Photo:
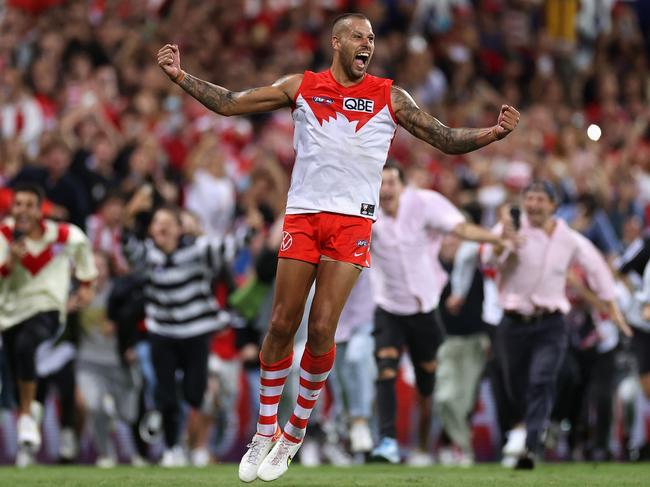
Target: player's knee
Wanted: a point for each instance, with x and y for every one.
(387, 352)
(320, 335)
(429, 366)
(387, 367)
(387, 373)
(281, 330)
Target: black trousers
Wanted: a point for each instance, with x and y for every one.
(585, 396)
(494, 372)
(189, 355)
(421, 335)
(533, 352)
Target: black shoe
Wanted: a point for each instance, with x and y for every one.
(525, 462)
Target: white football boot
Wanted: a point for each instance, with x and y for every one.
(278, 460)
(258, 449)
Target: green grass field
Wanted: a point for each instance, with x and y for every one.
(565, 475)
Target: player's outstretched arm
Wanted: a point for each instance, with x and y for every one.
(223, 101)
(449, 140)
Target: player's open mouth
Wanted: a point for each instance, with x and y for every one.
(361, 59)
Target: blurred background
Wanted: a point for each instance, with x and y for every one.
(86, 112)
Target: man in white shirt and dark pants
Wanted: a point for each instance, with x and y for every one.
(533, 335)
(36, 261)
(407, 282)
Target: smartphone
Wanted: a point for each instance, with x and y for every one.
(17, 235)
(515, 214)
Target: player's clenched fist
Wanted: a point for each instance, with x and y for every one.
(508, 120)
(169, 60)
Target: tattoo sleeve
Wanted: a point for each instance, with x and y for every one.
(216, 98)
(429, 129)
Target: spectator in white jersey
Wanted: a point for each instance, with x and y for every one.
(407, 282)
(181, 311)
(36, 261)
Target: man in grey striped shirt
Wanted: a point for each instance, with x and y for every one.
(181, 311)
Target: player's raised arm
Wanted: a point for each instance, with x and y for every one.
(223, 101)
(449, 140)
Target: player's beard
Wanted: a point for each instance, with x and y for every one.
(354, 74)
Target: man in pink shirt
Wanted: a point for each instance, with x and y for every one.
(407, 282)
(532, 281)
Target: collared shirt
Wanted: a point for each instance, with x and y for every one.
(533, 278)
(40, 281)
(407, 277)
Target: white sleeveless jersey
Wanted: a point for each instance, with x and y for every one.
(342, 136)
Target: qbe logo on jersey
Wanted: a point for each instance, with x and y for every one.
(359, 105)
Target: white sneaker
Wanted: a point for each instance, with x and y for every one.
(360, 437)
(24, 457)
(310, 454)
(258, 449)
(105, 462)
(419, 458)
(465, 460)
(516, 444)
(68, 449)
(277, 461)
(173, 458)
(447, 456)
(200, 457)
(138, 462)
(508, 461)
(28, 433)
(335, 455)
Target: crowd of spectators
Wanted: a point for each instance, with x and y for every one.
(86, 112)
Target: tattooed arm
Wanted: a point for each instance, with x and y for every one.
(223, 101)
(448, 140)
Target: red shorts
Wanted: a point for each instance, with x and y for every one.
(311, 236)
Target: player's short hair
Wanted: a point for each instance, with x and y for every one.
(346, 16)
(392, 165)
(32, 188)
(542, 186)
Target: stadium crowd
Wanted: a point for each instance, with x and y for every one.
(86, 114)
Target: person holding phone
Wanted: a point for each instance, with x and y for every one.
(533, 334)
(37, 257)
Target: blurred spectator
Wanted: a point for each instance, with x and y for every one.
(61, 187)
(108, 383)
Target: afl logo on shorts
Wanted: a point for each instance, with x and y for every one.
(287, 240)
(359, 105)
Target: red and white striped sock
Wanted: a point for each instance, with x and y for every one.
(313, 375)
(272, 379)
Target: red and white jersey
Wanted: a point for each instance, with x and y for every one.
(342, 136)
(40, 280)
